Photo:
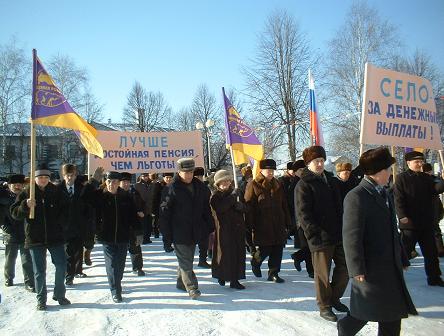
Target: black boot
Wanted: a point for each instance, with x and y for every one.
(327, 314)
(236, 285)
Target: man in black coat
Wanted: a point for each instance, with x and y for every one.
(319, 212)
(134, 249)
(14, 234)
(185, 219)
(414, 191)
(116, 220)
(76, 223)
(44, 232)
(375, 258)
(303, 254)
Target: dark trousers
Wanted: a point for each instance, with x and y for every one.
(426, 241)
(203, 249)
(304, 253)
(136, 254)
(58, 257)
(74, 257)
(185, 274)
(11, 253)
(349, 326)
(155, 225)
(115, 256)
(327, 293)
(274, 254)
(147, 227)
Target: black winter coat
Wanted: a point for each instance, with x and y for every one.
(77, 223)
(13, 230)
(373, 248)
(228, 262)
(414, 193)
(46, 229)
(185, 216)
(116, 216)
(319, 209)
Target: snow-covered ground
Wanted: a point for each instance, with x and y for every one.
(153, 306)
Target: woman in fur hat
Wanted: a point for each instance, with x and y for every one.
(228, 262)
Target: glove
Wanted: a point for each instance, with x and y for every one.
(139, 240)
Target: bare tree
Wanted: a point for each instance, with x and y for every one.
(145, 110)
(15, 87)
(70, 78)
(89, 107)
(184, 120)
(277, 80)
(364, 37)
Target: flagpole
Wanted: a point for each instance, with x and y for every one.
(364, 102)
(33, 138)
(234, 168)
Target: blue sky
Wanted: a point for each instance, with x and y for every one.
(174, 46)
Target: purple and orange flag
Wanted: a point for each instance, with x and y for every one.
(50, 108)
(240, 136)
(315, 126)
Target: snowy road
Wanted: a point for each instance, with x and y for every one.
(153, 306)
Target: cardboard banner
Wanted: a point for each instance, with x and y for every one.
(398, 110)
(139, 152)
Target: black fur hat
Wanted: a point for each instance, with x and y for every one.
(313, 152)
(375, 160)
(125, 176)
(298, 164)
(413, 155)
(112, 175)
(16, 178)
(267, 164)
(199, 171)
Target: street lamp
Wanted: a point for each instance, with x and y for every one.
(206, 128)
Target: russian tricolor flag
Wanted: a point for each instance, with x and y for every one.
(315, 127)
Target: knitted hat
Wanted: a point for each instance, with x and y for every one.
(413, 155)
(16, 178)
(313, 152)
(222, 175)
(199, 171)
(42, 170)
(168, 174)
(298, 164)
(185, 165)
(112, 175)
(267, 164)
(343, 166)
(375, 160)
(125, 176)
(290, 165)
(68, 168)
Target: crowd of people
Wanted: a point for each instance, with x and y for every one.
(358, 220)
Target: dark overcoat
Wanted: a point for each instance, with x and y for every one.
(13, 230)
(414, 193)
(228, 262)
(185, 214)
(45, 229)
(319, 209)
(373, 248)
(76, 222)
(267, 215)
(116, 216)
